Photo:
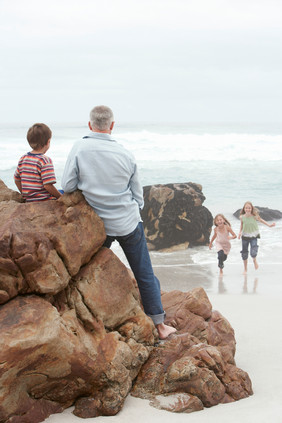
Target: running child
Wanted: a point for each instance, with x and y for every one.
(35, 176)
(222, 235)
(249, 232)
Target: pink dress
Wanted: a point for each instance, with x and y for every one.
(222, 242)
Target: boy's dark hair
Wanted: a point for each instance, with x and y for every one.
(38, 135)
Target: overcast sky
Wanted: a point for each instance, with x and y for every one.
(150, 60)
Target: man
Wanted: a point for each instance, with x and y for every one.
(106, 173)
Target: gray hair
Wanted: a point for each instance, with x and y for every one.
(101, 117)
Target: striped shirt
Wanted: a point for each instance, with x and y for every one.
(34, 171)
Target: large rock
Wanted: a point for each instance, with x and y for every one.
(174, 217)
(73, 331)
(195, 369)
(7, 194)
(49, 359)
(71, 322)
(44, 244)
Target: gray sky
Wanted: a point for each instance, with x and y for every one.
(150, 60)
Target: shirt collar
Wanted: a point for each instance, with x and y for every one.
(100, 135)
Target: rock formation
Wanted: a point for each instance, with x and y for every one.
(7, 194)
(73, 332)
(195, 369)
(174, 217)
(44, 244)
(264, 212)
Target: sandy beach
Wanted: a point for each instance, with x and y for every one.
(252, 304)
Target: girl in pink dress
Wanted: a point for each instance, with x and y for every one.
(222, 235)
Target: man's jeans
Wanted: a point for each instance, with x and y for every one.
(245, 248)
(135, 249)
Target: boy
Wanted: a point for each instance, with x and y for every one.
(35, 176)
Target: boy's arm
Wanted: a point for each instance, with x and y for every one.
(265, 223)
(17, 179)
(19, 185)
(52, 190)
(48, 178)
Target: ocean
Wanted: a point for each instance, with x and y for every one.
(233, 163)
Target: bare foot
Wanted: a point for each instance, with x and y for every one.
(164, 330)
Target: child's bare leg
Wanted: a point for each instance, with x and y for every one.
(164, 330)
(220, 271)
(245, 266)
(255, 263)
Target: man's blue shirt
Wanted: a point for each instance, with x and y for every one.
(107, 175)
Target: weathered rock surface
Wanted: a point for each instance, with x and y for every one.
(73, 332)
(79, 330)
(7, 194)
(179, 402)
(264, 212)
(174, 217)
(44, 244)
(199, 361)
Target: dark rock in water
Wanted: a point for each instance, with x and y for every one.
(265, 213)
(174, 217)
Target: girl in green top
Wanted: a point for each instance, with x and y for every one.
(249, 232)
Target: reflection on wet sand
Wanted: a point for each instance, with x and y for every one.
(184, 277)
(253, 288)
(221, 286)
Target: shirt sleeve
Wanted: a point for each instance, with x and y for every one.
(48, 173)
(17, 175)
(136, 188)
(70, 176)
